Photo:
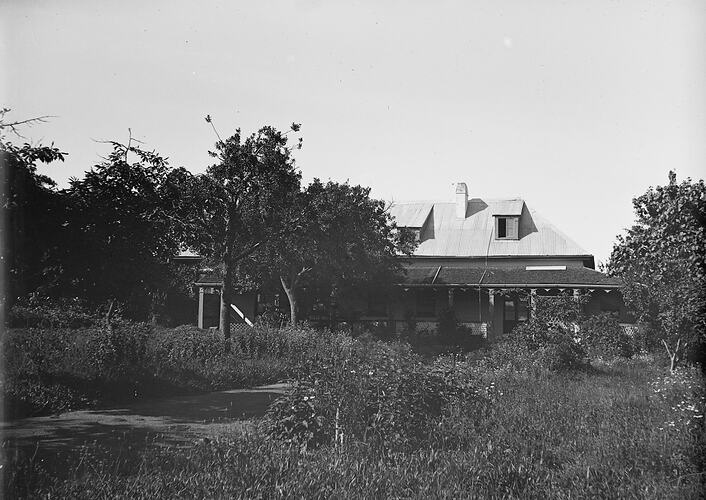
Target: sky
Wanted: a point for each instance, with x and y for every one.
(574, 106)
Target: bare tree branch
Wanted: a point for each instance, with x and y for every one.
(13, 126)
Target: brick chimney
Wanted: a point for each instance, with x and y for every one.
(461, 200)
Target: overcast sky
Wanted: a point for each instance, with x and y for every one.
(575, 106)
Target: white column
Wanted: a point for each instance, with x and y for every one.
(200, 317)
(491, 312)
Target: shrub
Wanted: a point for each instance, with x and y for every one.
(607, 434)
(449, 331)
(373, 392)
(548, 346)
(49, 370)
(39, 311)
(603, 336)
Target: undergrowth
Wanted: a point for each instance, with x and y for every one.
(49, 370)
(601, 433)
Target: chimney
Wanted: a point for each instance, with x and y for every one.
(461, 200)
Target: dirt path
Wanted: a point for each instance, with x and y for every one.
(177, 421)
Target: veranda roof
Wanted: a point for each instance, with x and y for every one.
(495, 277)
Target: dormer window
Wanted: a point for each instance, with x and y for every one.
(507, 215)
(507, 228)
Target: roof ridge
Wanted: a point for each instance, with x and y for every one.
(451, 202)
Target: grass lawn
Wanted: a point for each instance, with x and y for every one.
(621, 429)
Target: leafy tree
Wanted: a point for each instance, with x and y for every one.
(238, 204)
(662, 262)
(30, 207)
(123, 220)
(340, 240)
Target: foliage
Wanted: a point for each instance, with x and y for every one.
(662, 261)
(73, 366)
(41, 311)
(549, 339)
(31, 208)
(372, 392)
(109, 236)
(54, 369)
(537, 346)
(597, 435)
(449, 330)
(341, 242)
(124, 223)
(683, 389)
(602, 335)
(563, 310)
(238, 203)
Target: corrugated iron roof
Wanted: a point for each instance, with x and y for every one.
(446, 235)
(507, 277)
(508, 207)
(413, 214)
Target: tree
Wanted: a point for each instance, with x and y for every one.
(238, 204)
(30, 204)
(662, 262)
(339, 239)
(123, 224)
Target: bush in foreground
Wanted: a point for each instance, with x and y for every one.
(603, 336)
(376, 393)
(58, 369)
(576, 435)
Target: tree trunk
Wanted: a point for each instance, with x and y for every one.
(291, 296)
(226, 291)
(226, 294)
(673, 355)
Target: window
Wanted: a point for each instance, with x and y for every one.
(426, 304)
(502, 227)
(510, 310)
(507, 228)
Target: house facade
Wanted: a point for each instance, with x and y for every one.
(488, 260)
(485, 260)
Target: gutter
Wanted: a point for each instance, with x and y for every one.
(479, 257)
(510, 285)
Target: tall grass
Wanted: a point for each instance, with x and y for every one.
(57, 369)
(622, 429)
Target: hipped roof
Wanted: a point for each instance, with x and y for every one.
(447, 235)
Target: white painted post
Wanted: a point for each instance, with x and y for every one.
(200, 317)
(491, 312)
